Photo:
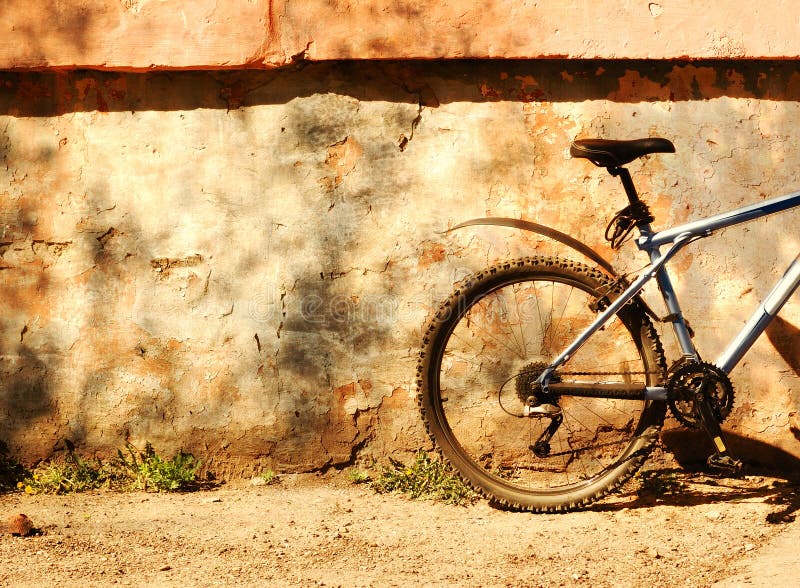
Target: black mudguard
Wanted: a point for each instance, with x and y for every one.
(545, 231)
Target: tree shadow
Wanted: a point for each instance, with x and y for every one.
(66, 24)
(11, 471)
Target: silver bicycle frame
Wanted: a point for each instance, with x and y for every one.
(677, 238)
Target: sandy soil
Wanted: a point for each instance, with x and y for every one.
(312, 530)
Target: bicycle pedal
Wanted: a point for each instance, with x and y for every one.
(725, 464)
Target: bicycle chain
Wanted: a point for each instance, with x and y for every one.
(637, 373)
(524, 379)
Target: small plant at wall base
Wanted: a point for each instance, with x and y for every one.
(70, 474)
(425, 478)
(269, 477)
(358, 476)
(132, 469)
(147, 470)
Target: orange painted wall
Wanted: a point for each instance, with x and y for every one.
(210, 34)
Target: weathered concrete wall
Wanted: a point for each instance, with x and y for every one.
(153, 34)
(240, 263)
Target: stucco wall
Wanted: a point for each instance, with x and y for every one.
(240, 263)
(153, 34)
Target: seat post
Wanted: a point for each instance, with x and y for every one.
(637, 213)
(627, 183)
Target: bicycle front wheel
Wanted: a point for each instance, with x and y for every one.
(480, 358)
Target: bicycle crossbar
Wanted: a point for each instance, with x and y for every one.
(705, 227)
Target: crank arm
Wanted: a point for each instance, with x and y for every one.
(722, 460)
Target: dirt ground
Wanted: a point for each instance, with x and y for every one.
(315, 530)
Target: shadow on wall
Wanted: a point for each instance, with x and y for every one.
(25, 371)
(52, 94)
(785, 337)
(423, 84)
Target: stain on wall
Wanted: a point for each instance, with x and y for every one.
(240, 264)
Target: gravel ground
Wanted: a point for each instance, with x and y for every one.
(313, 530)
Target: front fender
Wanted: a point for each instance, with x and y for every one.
(549, 232)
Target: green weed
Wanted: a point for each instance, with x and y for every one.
(425, 478)
(130, 470)
(64, 476)
(146, 470)
(358, 476)
(269, 477)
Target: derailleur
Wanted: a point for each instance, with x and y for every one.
(539, 405)
(541, 448)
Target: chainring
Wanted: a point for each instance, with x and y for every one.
(685, 381)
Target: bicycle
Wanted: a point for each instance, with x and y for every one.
(543, 380)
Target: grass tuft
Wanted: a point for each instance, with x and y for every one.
(426, 478)
(270, 477)
(130, 470)
(358, 476)
(148, 471)
(71, 474)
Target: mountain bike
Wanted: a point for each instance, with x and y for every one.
(543, 380)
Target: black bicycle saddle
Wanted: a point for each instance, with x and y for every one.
(609, 153)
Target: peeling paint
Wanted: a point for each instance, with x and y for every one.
(165, 264)
(342, 158)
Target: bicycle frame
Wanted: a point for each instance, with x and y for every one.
(677, 238)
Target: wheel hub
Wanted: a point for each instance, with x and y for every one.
(528, 390)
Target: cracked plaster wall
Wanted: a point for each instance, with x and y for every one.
(240, 264)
